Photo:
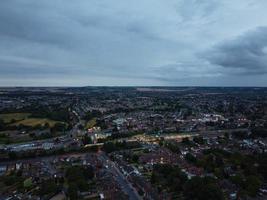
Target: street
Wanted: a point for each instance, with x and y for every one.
(126, 186)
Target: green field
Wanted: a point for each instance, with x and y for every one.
(15, 119)
(7, 118)
(91, 123)
(36, 121)
(8, 135)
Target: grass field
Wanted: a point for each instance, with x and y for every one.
(36, 121)
(91, 123)
(25, 119)
(7, 118)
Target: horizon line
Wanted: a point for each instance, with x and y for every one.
(130, 86)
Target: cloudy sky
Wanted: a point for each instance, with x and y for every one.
(133, 42)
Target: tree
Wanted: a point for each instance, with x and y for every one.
(46, 126)
(173, 146)
(262, 160)
(253, 184)
(210, 192)
(258, 132)
(135, 158)
(80, 126)
(161, 141)
(240, 134)
(202, 189)
(73, 191)
(47, 187)
(238, 180)
(199, 140)
(191, 188)
(109, 147)
(189, 157)
(91, 114)
(86, 139)
(58, 127)
(11, 179)
(2, 125)
(27, 183)
(12, 155)
(186, 141)
(168, 177)
(78, 176)
(226, 135)
(89, 172)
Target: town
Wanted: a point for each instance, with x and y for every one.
(133, 143)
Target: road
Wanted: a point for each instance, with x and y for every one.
(126, 186)
(75, 130)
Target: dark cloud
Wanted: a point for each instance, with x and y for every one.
(151, 42)
(246, 54)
